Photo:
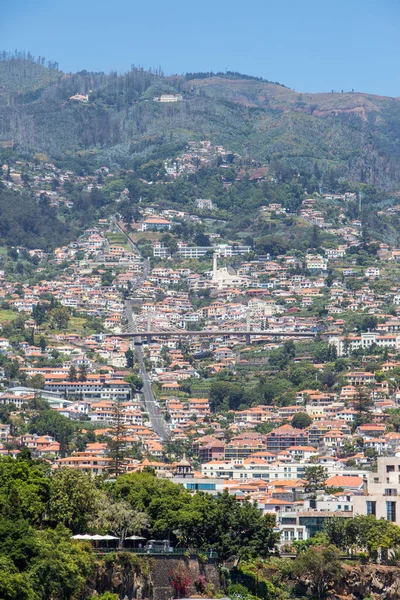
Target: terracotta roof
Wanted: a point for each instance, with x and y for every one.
(344, 481)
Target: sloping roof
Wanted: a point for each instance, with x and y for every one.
(344, 481)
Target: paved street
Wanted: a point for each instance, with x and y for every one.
(157, 421)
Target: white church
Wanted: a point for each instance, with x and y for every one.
(226, 277)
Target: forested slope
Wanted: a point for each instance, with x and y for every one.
(353, 134)
(25, 222)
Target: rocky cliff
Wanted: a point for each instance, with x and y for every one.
(133, 577)
(369, 581)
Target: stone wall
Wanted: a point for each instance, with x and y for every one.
(134, 578)
(164, 565)
(148, 577)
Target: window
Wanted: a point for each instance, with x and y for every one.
(391, 511)
(389, 468)
(371, 508)
(390, 492)
(346, 507)
(299, 535)
(200, 486)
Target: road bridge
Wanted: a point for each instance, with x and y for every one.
(184, 333)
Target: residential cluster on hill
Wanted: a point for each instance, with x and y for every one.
(260, 357)
(333, 411)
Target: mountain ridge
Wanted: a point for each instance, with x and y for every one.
(353, 134)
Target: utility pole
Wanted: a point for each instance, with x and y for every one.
(248, 326)
(148, 327)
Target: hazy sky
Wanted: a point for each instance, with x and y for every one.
(308, 45)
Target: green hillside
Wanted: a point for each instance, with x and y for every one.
(21, 79)
(356, 135)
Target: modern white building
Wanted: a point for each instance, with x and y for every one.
(224, 250)
(316, 263)
(258, 468)
(204, 204)
(367, 339)
(226, 277)
(381, 492)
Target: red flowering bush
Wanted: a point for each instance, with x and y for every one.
(180, 582)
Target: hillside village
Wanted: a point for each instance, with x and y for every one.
(271, 374)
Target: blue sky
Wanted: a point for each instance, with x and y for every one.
(308, 45)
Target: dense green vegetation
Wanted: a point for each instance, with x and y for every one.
(40, 510)
(25, 222)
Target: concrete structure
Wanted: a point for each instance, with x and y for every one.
(284, 437)
(367, 339)
(226, 277)
(169, 98)
(204, 204)
(289, 528)
(381, 492)
(200, 484)
(92, 390)
(155, 224)
(224, 250)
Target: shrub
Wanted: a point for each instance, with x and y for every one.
(200, 584)
(180, 582)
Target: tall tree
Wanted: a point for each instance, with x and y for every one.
(117, 443)
(74, 499)
(42, 343)
(60, 317)
(321, 567)
(120, 519)
(129, 358)
(363, 405)
(72, 373)
(39, 313)
(301, 420)
(82, 372)
(315, 477)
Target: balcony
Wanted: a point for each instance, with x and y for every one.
(390, 492)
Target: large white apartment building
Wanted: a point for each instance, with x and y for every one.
(367, 339)
(381, 492)
(195, 252)
(257, 468)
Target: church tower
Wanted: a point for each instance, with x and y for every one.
(183, 469)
